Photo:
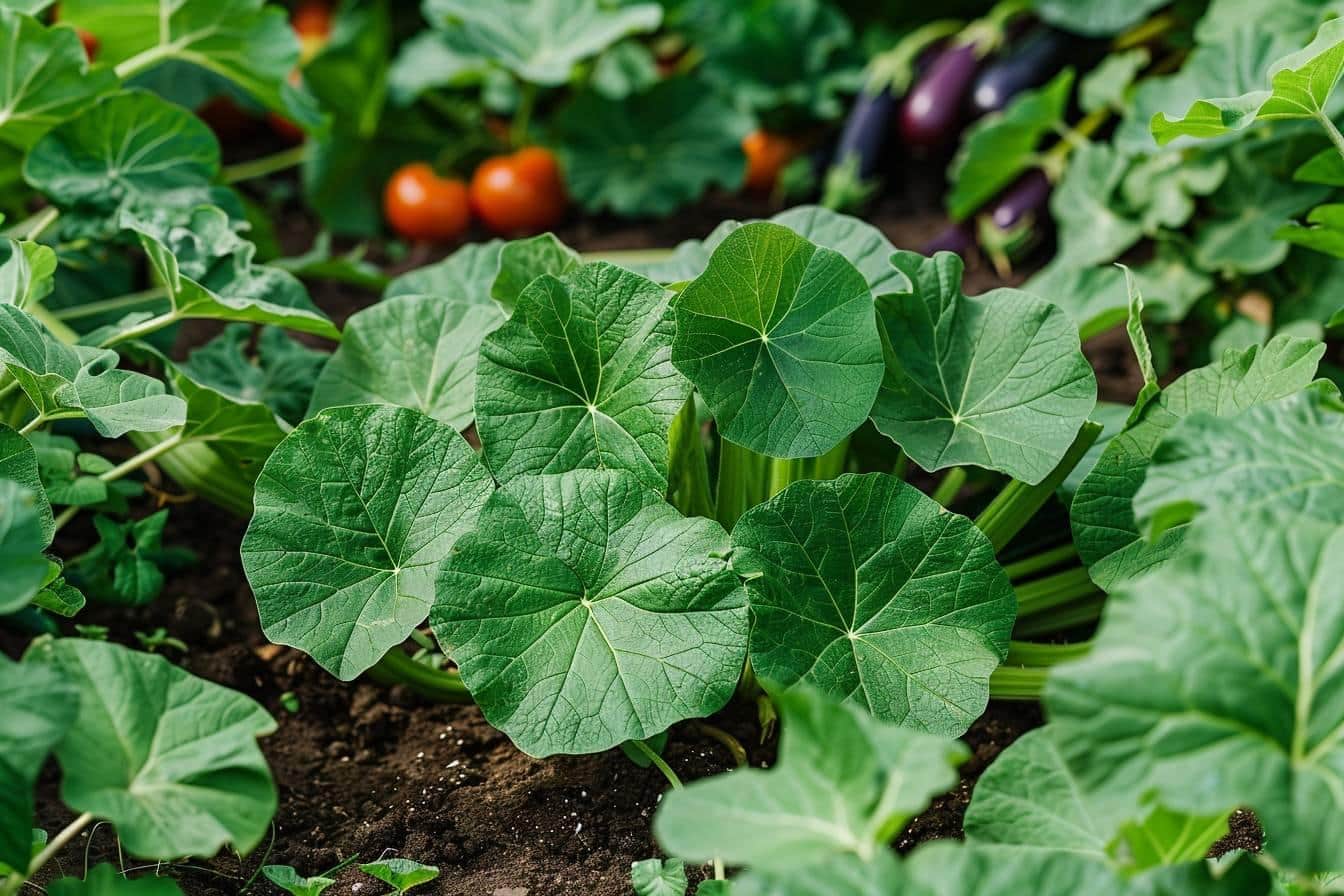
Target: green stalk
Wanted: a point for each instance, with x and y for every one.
(15, 880)
(1017, 683)
(627, 257)
(1046, 593)
(33, 226)
(1041, 562)
(130, 300)
(436, 684)
(743, 481)
(150, 453)
(1040, 656)
(688, 470)
(1014, 507)
(522, 115)
(272, 164)
(1065, 616)
(950, 486)
(658, 762)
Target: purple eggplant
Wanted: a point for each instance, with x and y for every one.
(956, 238)
(931, 116)
(1028, 64)
(865, 131)
(1026, 196)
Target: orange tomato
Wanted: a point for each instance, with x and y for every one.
(767, 154)
(519, 193)
(90, 42)
(420, 205)
(311, 21)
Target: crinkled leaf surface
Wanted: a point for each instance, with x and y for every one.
(46, 80)
(249, 42)
(584, 611)
(130, 147)
(997, 380)
(581, 377)
(867, 589)
(1244, 681)
(1282, 453)
(1300, 86)
(779, 337)
(107, 880)
(27, 272)
(36, 707)
(207, 270)
(1102, 512)
(1162, 187)
(540, 42)
(414, 351)
(651, 153)
(18, 463)
(658, 877)
(281, 375)
(170, 759)
(355, 510)
(467, 275)
(844, 785)
(75, 380)
(1000, 146)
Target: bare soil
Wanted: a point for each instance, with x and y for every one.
(367, 770)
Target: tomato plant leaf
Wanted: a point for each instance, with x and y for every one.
(1102, 513)
(37, 706)
(47, 80)
(131, 147)
(844, 785)
(779, 337)
(866, 589)
(207, 270)
(1279, 453)
(1001, 146)
(997, 380)
(540, 43)
(581, 377)
(170, 759)
(651, 153)
(1253, 601)
(78, 381)
(412, 351)
(354, 511)
(584, 611)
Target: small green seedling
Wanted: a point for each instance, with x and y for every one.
(400, 874)
(658, 877)
(288, 879)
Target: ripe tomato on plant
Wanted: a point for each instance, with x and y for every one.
(767, 154)
(522, 192)
(311, 21)
(421, 205)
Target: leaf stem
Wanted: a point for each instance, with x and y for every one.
(522, 115)
(652, 755)
(271, 164)
(68, 833)
(1074, 613)
(32, 424)
(1054, 590)
(688, 470)
(950, 486)
(1017, 683)
(742, 481)
(1330, 130)
(1040, 562)
(122, 469)
(1014, 507)
(33, 226)
(129, 68)
(129, 300)
(732, 744)
(142, 329)
(436, 684)
(1039, 656)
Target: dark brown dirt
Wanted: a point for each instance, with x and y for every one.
(362, 769)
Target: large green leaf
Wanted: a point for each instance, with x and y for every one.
(47, 78)
(241, 433)
(18, 464)
(1000, 146)
(867, 589)
(36, 707)
(1102, 513)
(1282, 453)
(107, 880)
(658, 877)
(1092, 228)
(413, 351)
(27, 272)
(132, 147)
(78, 381)
(844, 785)
(997, 380)
(1094, 18)
(866, 247)
(208, 271)
(540, 42)
(651, 153)
(1245, 680)
(249, 42)
(522, 261)
(581, 377)
(780, 338)
(584, 612)
(466, 275)
(1300, 87)
(354, 511)
(281, 375)
(170, 759)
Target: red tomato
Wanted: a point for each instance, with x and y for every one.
(311, 21)
(420, 205)
(519, 193)
(283, 127)
(90, 42)
(767, 154)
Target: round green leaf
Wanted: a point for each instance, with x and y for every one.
(412, 351)
(998, 380)
(132, 146)
(780, 338)
(355, 510)
(466, 275)
(584, 612)
(866, 588)
(47, 78)
(581, 377)
(170, 759)
(862, 244)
